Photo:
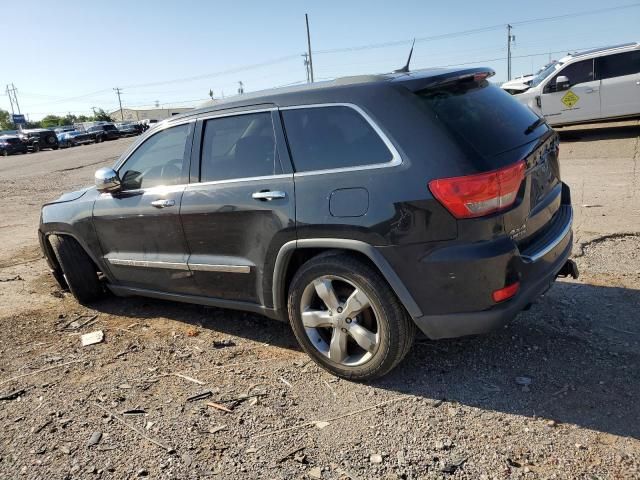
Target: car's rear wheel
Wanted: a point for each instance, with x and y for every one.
(347, 318)
(35, 148)
(78, 269)
(5, 153)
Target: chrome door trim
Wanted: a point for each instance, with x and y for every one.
(280, 176)
(396, 159)
(148, 264)
(203, 267)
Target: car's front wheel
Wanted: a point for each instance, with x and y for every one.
(77, 267)
(347, 318)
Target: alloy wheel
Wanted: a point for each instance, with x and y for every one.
(340, 320)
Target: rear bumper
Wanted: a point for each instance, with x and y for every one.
(534, 282)
(453, 284)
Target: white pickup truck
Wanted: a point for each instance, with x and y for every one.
(590, 86)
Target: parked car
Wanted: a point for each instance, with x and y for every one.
(39, 138)
(11, 144)
(356, 210)
(522, 83)
(73, 138)
(100, 133)
(590, 86)
(129, 129)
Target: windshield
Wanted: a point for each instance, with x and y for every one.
(545, 72)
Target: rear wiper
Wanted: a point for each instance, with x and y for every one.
(534, 125)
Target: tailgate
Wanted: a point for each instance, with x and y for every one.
(542, 195)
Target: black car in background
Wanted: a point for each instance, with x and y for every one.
(358, 210)
(11, 144)
(73, 138)
(129, 129)
(39, 138)
(107, 131)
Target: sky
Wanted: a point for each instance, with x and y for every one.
(67, 57)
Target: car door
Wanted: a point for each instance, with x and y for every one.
(239, 209)
(139, 226)
(620, 83)
(581, 102)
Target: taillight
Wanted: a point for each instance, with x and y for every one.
(480, 194)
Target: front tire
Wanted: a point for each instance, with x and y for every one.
(78, 269)
(347, 319)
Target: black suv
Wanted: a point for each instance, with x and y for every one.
(355, 209)
(11, 144)
(39, 138)
(100, 133)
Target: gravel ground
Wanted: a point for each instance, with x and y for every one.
(551, 395)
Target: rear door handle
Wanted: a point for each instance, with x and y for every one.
(163, 203)
(268, 195)
(591, 90)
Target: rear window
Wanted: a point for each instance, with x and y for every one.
(486, 117)
(322, 138)
(618, 65)
(109, 127)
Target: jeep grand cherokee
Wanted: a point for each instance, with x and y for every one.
(356, 209)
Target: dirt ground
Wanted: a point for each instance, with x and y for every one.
(555, 394)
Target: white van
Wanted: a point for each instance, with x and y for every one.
(588, 86)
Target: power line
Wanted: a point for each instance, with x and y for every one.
(474, 30)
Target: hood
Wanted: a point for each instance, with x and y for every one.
(70, 196)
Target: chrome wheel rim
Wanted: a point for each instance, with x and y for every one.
(340, 321)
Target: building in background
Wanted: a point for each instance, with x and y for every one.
(135, 115)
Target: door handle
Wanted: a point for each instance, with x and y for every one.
(163, 203)
(591, 90)
(268, 195)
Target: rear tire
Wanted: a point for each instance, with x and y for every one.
(78, 269)
(377, 319)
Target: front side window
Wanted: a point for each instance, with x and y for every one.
(322, 138)
(158, 161)
(240, 146)
(618, 65)
(579, 72)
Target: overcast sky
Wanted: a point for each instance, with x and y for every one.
(67, 56)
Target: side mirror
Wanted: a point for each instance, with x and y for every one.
(107, 180)
(562, 83)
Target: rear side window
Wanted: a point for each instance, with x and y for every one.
(238, 146)
(618, 65)
(579, 72)
(483, 115)
(329, 137)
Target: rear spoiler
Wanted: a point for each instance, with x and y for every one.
(421, 80)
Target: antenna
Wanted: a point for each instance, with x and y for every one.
(405, 69)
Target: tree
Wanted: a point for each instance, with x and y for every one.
(101, 115)
(51, 121)
(5, 120)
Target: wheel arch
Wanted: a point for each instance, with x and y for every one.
(307, 248)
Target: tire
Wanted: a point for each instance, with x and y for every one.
(77, 268)
(35, 148)
(5, 153)
(388, 330)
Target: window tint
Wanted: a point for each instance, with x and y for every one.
(579, 72)
(239, 146)
(618, 65)
(158, 161)
(332, 137)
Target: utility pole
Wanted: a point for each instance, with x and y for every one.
(510, 39)
(10, 99)
(306, 18)
(13, 98)
(119, 91)
(240, 88)
(306, 66)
